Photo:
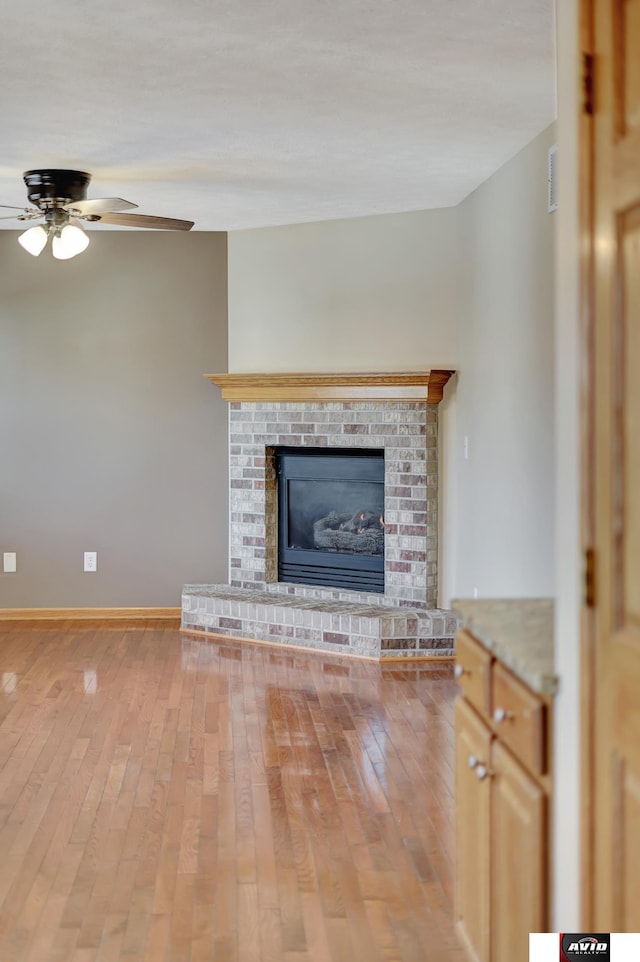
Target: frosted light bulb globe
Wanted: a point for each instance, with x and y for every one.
(71, 241)
(34, 240)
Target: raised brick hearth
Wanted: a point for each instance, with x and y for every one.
(402, 621)
(377, 631)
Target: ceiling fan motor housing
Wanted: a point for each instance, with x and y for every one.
(52, 185)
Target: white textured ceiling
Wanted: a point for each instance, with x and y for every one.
(247, 113)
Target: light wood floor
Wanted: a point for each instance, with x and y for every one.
(167, 799)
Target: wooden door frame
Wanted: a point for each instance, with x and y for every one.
(586, 146)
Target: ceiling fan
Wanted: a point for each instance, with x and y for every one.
(60, 198)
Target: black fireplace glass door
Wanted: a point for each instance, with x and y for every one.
(331, 517)
(336, 516)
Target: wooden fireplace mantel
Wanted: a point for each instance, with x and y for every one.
(424, 386)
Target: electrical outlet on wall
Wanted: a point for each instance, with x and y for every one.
(9, 562)
(91, 561)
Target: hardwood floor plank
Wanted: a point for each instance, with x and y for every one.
(157, 944)
(168, 799)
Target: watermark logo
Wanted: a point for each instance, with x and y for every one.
(581, 946)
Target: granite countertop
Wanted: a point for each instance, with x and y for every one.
(519, 631)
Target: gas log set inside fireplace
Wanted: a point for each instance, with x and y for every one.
(362, 532)
(331, 517)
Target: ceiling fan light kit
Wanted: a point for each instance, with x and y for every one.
(67, 241)
(60, 197)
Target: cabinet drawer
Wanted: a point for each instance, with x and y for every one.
(473, 671)
(520, 719)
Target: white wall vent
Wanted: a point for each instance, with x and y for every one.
(552, 200)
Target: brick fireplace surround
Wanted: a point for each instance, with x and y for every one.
(397, 413)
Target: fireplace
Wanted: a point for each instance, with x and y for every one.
(331, 517)
(401, 434)
(320, 432)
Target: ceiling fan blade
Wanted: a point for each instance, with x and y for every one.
(99, 205)
(25, 215)
(144, 220)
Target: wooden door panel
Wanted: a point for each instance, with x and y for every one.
(473, 744)
(626, 26)
(613, 713)
(626, 860)
(518, 850)
(627, 338)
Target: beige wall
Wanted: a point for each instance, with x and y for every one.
(376, 293)
(469, 288)
(110, 439)
(504, 502)
(567, 810)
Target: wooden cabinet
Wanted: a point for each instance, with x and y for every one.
(502, 804)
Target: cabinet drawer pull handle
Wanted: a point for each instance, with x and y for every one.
(473, 762)
(500, 715)
(483, 772)
(459, 671)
